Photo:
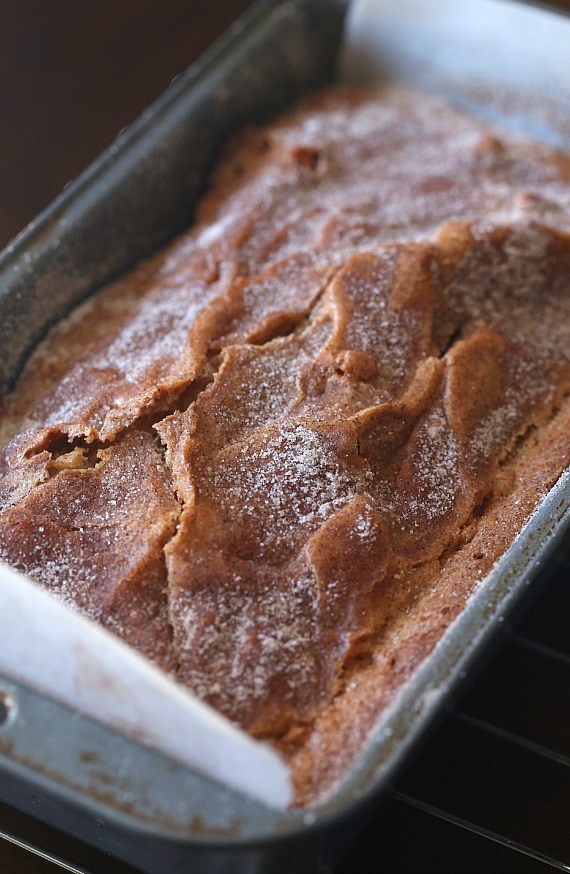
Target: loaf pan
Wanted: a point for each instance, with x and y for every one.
(72, 772)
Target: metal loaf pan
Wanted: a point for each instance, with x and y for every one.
(70, 771)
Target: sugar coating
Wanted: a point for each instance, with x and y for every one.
(279, 456)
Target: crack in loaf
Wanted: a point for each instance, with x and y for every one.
(280, 455)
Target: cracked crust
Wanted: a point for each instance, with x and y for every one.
(278, 457)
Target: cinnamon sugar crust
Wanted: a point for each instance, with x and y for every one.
(278, 457)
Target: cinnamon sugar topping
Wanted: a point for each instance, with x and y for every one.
(299, 437)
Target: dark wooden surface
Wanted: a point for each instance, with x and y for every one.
(72, 75)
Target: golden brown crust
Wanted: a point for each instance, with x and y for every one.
(301, 435)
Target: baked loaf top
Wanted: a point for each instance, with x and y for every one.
(278, 457)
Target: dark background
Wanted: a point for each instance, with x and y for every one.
(73, 73)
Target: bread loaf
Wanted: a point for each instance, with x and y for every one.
(279, 456)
